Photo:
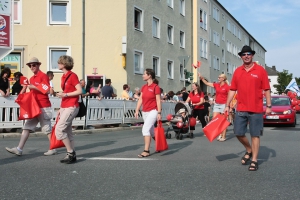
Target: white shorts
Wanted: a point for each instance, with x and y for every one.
(149, 121)
(219, 108)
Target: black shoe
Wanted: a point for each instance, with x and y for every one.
(70, 158)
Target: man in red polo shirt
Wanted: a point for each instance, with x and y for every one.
(44, 103)
(250, 81)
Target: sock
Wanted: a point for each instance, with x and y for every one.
(19, 149)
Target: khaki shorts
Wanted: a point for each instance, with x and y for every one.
(63, 127)
(44, 119)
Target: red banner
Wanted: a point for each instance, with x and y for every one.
(4, 31)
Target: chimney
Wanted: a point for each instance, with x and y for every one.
(274, 68)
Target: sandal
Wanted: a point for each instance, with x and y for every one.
(142, 156)
(253, 166)
(246, 159)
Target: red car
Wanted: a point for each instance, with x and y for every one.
(282, 111)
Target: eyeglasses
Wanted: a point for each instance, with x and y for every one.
(220, 77)
(32, 65)
(248, 54)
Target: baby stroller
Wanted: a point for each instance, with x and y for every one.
(180, 128)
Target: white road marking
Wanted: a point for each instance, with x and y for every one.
(106, 158)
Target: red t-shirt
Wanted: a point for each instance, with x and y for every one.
(149, 96)
(221, 92)
(250, 86)
(69, 86)
(42, 99)
(195, 98)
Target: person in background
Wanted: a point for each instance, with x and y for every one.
(137, 93)
(125, 92)
(83, 88)
(179, 95)
(150, 101)
(51, 76)
(184, 94)
(222, 89)
(4, 82)
(93, 92)
(44, 104)
(107, 90)
(69, 106)
(17, 87)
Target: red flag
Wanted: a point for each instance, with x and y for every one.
(24, 80)
(43, 87)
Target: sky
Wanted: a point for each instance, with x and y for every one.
(275, 24)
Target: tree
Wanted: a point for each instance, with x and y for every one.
(284, 78)
(297, 80)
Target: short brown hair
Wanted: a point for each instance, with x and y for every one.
(66, 61)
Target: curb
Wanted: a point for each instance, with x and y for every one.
(76, 132)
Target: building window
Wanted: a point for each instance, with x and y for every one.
(216, 14)
(228, 25)
(170, 34)
(181, 71)
(203, 19)
(182, 39)
(156, 65)
(216, 38)
(170, 3)
(155, 27)
(17, 11)
(223, 33)
(216, 63)
(170, 69)
(59, 12)
(223, 56)
(138, 62)
(203, 48)
(205, 1)
(138, 19)
(54, 54)
(182, 7)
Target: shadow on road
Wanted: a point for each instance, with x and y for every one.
(173, 148)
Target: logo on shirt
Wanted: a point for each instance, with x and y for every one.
(150, 90)
(254, 75)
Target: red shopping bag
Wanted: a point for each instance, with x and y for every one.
(54, 143)
(29, 107)
(160, 138)
(215, 127)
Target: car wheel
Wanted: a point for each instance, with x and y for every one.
(295, 122)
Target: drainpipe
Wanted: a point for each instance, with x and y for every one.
(83, 39)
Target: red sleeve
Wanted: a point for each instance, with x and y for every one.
(233, 85)
(157, 90)
(265, 80)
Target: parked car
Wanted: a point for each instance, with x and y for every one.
(282, 111)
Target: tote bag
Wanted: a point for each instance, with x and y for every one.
(54, 143)
(215, 127)
(29, 107)
(82, 108)
(160, 138)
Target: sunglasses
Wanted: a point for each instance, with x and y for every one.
(220, 77)
(32, 65)
(248, 54)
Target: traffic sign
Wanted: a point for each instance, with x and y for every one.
(6, 27)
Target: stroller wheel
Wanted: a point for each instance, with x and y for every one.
(180, 136)
(177, 136)
(169, 135)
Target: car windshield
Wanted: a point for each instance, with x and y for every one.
(279, 101)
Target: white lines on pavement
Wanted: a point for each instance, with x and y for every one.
(106, 158)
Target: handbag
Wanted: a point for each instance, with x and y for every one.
(160, 138)
(216, 126)
(29, 107)
(82, 107)
(54, 143)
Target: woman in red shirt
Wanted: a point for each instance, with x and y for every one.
(222, 88)
(196, 97)
(150, 100)
(69, 106)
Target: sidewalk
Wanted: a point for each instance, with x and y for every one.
(100, 129)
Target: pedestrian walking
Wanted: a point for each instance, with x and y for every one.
(250, 81)
(44, 104)
(222, 89)
(151, 102)
(71, 89)
(196, 99)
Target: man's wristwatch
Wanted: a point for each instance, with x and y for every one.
(270, 106)
(66, 94)
(158, 112)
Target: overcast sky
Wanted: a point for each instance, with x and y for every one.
(275, 24)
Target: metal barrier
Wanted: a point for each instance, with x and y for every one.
(99, 112)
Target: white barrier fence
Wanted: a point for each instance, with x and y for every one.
(99, 112)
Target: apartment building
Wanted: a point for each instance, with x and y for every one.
(119, 39)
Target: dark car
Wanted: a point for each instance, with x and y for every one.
(282, 111)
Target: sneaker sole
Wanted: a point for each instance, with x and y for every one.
(13, 153)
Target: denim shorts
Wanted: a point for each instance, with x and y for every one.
(219, 108)
(256, 123)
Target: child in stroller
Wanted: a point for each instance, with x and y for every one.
(180, 123)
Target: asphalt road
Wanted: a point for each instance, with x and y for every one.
(108, 168)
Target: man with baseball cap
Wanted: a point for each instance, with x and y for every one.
(43, 102)
(250, 81)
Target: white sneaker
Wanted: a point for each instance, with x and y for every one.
(50, 152)
(14, 151)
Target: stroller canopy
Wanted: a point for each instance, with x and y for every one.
(186, 106)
